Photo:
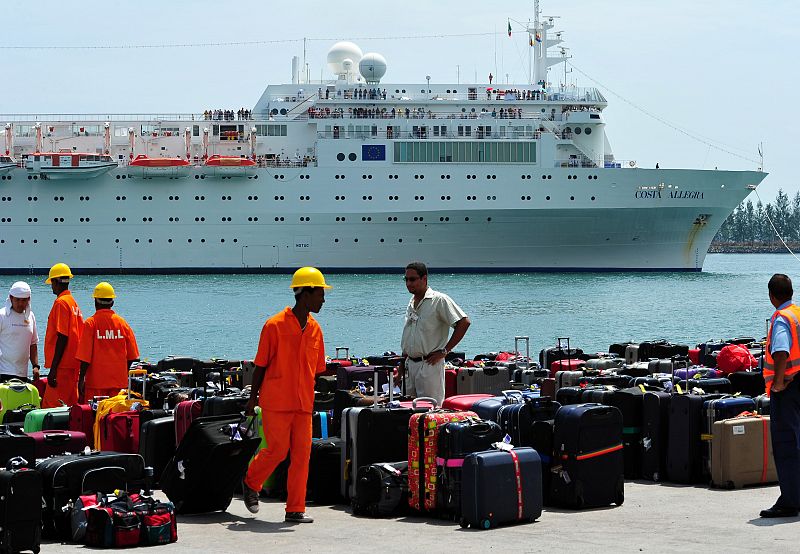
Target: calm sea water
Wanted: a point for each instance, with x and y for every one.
(221, 316)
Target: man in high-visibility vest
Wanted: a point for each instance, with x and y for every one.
(781, 364)
(106, 350)
(290, 355)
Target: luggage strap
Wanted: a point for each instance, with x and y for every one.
(518, 478)
(450, 462)
(596, 453)
(323, 424)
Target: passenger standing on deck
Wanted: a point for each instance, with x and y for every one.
(781, 364)
(19, 338)
(429, 317)
(106, 350)
(290, 355)
(64, 327)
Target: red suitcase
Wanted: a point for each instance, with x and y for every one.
(185, 413)
(450, 382)
(81, 419)
(463, 401)
(566, 365)
(56, 443)
(694, 356)
(423, 441)
(119, 432)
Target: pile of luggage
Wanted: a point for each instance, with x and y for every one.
(93, 465)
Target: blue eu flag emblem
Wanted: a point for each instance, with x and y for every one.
(373, 152)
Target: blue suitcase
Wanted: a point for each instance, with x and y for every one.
(500, 487)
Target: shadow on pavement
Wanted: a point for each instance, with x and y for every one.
(236, 523)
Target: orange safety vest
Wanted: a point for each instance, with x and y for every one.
(792, 315)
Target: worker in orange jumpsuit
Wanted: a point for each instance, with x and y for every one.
(290, 355)
(106, 350)
(64, 328)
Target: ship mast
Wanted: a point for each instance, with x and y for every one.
(541, 43)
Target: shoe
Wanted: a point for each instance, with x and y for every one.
(298, 517)
(779, 511)
(250, 498)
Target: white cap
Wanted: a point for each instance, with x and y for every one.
(20, 289)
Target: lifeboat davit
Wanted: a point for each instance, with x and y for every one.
(7, 163)
(68, 165)
(229, 166)
(149, 168)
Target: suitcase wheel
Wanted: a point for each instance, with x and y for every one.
(463, 523)
(485, 524)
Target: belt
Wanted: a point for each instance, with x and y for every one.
(416, 359)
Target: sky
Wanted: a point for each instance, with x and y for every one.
(719, 70)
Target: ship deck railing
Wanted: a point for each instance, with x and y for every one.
(532, 135)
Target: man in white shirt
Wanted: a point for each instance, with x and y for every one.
(18, 335)
(429, 317)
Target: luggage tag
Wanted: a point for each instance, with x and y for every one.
(505, 445)
(390, 469)
(647, 443)
(385, 389)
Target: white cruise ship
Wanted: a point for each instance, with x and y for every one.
(355, 174)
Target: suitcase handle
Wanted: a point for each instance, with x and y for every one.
(433, 402)
(26, 406)
(56, 437)
(513, 395)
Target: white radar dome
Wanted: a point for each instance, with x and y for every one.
(372, 67)
(341, 53)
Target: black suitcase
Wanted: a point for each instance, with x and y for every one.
(707, 351)
(157, 444)
(618, 348)
(13, 443)
(176, 363)
(569, 395)
(65, 478)
(148, 415)
(629, 402)
(209, 464)
(655, 434)
(619, 381)
(715, 385)
(325, 384)
(762, 404)
(56, 420)
(381, 490)
(224, 404)
(516, 420)
(321, 425)
(324, 471)
(17, 415)
(500, 487)
(597, 395)
(456, 440)
(549, 355)
(748, 383)
(685, 446)
(20, 509)
(588, 450)
(652, 382)
(542, 442)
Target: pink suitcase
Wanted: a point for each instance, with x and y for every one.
(119, 432)
(186, 412)
(81, 419)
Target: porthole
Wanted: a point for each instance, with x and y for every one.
(340, 157)
(148, 240)
(399, 240)
(355, 240)
(593, 198)
(577, 130)
(488, 219)
(466, 219)
(188, 240)
(352, 157)
(136, 241)
(588, 131)
(335, 240)
(572, 198)
(202, 240)
(169, 241)
(549, 176)
(547, 198)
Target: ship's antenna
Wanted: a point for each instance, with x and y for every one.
(761, 156)
(305, 65)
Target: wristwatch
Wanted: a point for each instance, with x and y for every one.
(36, 366)
(445, 351)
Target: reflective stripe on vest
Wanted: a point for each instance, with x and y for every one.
(792, 315)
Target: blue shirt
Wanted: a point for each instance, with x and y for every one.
(781, 334)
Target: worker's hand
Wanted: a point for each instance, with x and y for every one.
(36, 373)
(250, 410)
(778, 387)
(435, 357)
(51, 380)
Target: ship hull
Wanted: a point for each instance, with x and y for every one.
(576, 220)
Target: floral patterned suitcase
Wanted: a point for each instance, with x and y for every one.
(423, 438)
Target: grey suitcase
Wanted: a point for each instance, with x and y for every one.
(602, 364)
(568, 379)
(631, 353)
(482, 380)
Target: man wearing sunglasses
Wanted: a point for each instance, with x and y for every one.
(429, 317)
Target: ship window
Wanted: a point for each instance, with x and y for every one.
(195, 130)
(588, 131)
(577, 130)
(352, 157)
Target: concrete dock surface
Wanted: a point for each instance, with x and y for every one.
(655, 517)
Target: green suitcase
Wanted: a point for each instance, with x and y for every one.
(15, 393)
(46, 419)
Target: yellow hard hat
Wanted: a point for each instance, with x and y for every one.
(104, 290)
(57, 271)
(308, 277)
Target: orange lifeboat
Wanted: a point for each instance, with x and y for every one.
(229, 166)
(148, 168)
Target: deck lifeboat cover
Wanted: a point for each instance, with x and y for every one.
(145, 161)
(231, 161)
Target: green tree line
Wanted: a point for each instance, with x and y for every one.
(749, 223)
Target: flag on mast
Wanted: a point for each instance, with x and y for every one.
(509, 28)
